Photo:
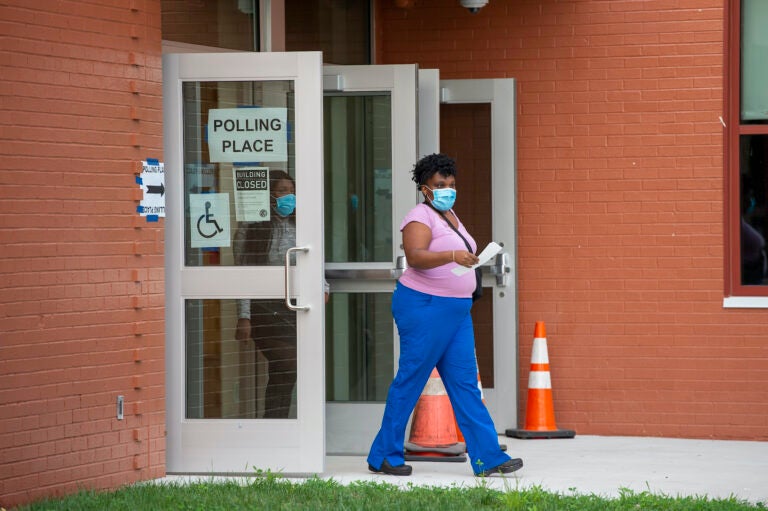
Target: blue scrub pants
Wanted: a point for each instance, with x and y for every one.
(436, 332)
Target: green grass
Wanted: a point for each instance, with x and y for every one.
(272, 492)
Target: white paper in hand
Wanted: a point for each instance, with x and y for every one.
(489, 251)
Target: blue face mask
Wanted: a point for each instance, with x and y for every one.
(443, 198)
(285, 204)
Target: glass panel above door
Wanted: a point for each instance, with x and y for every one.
(341, 30)
(239, 168)
(233, 25)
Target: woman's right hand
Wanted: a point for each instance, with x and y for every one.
(465, 258)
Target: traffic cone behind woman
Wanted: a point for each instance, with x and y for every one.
(433, 431)
(540, 410)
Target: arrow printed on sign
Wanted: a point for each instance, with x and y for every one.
(156, 189)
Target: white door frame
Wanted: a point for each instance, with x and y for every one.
(429, 113)
(502, 400)
(242, 445)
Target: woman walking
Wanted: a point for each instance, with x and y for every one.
(431, 307)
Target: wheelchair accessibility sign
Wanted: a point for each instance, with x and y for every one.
(209, 220)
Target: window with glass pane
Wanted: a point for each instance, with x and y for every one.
(754, 71)
(754, 212)
(239, 163)
(232, 24)
(358, 178)
(340, 29)
(753, 144)
(359, 356)
(239, 199)
(237, 370)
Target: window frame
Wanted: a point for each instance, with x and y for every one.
(734, 130)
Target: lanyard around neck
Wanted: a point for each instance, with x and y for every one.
(469, 248)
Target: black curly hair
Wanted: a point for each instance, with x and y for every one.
(432, 164)
(279, 175)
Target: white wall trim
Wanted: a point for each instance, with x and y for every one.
(745, 302)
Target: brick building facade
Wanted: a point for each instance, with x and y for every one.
(620, 200)
(82, 311)
(621, 212)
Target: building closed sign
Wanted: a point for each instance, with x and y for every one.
(251, 194)
(247, 134)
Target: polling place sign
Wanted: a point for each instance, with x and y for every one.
(248, 134)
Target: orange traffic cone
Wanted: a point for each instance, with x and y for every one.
(433, 432)
(540, 411)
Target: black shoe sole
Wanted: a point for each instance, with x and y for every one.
(505, 468)
(392, 471)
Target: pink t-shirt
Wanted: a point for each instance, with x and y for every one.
(439, 281)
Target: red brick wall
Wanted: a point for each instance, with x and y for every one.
(81, 307)
(620, 204)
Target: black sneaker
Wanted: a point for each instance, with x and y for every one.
(505, 468)
(386, 468)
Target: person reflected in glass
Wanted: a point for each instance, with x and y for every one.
(269, 323)
(754, 259)
(431, 307)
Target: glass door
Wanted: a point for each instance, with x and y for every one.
(477, 129)
(244, 258)
(370, 148)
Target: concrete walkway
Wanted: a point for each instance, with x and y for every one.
(596, 465)
(602, 466)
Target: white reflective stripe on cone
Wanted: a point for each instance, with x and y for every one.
(539, 380)
(539, 355)
(435, 387)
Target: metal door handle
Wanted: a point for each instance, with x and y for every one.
(501, 269)
(288, 303)
(401, 264)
